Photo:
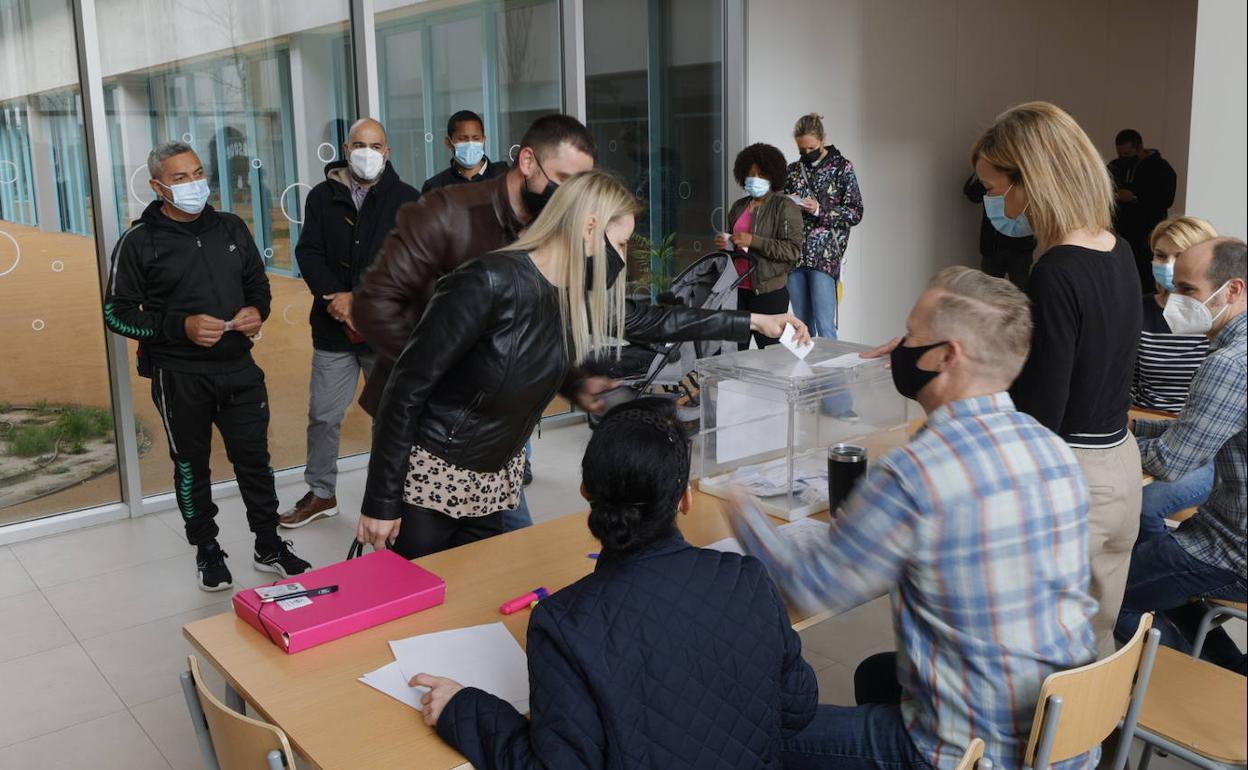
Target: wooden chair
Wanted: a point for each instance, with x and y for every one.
(229, 740)
(1178, 517)
(1078, 709)
(1194, 709)
(973, 759)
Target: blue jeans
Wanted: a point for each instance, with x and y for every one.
(519, 517)
(813, 294)
(1164, 578)
(1163, 499)
(868, 737)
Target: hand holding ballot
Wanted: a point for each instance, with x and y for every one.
(773, 326)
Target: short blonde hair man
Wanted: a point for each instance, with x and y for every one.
(990, 316)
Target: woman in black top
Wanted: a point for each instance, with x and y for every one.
(664, 656)
(1044, 176)
(501, 336)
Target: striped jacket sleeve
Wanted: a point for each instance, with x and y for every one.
(126, 309)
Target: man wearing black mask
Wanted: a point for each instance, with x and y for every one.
(1144, 186)
(452, 225)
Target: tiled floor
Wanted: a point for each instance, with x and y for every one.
(90, 626)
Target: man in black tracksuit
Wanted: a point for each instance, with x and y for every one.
(188, 283)
(1144, 187)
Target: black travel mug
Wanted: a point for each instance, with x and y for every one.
(846, 464)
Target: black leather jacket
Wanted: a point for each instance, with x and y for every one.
(485, 360)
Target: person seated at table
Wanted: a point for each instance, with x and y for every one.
(1164, 367)
(979, 529)
(502, 335)
(1205, 556)
(665, 655)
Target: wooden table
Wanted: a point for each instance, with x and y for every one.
(335, 721)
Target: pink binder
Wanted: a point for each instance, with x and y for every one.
(373, 589)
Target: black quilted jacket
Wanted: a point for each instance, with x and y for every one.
(677, 657)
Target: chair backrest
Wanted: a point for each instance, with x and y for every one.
(241, 743)
(973, 754)
(1089, 701)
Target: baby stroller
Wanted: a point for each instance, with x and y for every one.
(710, 283)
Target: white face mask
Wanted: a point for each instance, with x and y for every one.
(366, 163)
(1187, 315)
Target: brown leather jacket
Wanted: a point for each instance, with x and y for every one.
(431, 237)
(778, 240)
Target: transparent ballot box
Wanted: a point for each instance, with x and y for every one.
(768, 420)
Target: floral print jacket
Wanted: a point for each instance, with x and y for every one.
(833, 184)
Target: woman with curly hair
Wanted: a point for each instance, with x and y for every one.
(766, 231)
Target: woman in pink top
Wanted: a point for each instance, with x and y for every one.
(767, 227)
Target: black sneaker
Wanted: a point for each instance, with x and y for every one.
(211, 569)
(277, 557)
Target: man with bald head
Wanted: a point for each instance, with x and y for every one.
(345, 220)
(1204, 557)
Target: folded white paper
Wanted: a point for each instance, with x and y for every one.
(798, 532)
(786, 339)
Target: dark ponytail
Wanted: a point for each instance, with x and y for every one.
(635, 470)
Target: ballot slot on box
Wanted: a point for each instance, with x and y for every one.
(768, 420)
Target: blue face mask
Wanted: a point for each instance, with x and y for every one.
(756, 186)
(469, 154)
(994, 207)
(1164, 275)
(189, 197)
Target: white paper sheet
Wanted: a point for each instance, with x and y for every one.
(799, 532)
(846, 361)
(786, 339)
(487, 657)
(389, 680)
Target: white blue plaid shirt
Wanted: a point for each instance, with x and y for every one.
(978, 528)
(1212, 426)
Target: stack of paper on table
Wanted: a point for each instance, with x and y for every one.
(486, 657)
(799, 532)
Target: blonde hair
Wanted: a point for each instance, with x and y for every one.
(1186, 232)
(593, 319)
(990, 318)
(1041, 148)
(810, 123)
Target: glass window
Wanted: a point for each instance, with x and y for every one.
(263, 92)
(500, 59)
(654, 100)
(57, 449)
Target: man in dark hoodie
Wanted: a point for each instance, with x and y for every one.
(1144, 189)
(345, 221)
(188, 283)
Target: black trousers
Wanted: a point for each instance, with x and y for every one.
(426, 531)
(238, 404)
(770, 303)
(1006, 264)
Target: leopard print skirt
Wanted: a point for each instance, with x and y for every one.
(435, 484)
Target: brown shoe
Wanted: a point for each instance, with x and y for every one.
(307, 510)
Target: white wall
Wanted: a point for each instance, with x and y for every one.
(906, 85)
(1217, 164)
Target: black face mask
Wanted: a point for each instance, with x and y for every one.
(809, 158)
(908, 378)
(615, 265)
(536, 201)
